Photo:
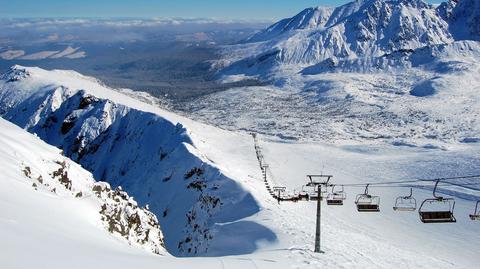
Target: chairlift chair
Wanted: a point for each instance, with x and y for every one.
(406, 203)
(436, 215)
(336, 197)
(324, 193)
(314, 196)
(367, 203)
(303, 195)
(476, 213)
(312, 192)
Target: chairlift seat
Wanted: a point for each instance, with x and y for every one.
(367, 203)
(303, 196)
(368, 207)
(334, 202)
(437, 217)
(474, 217)
(404, 208)
(444, 215)
(406, 203)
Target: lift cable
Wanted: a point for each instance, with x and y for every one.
(442, 180)
(412, 185)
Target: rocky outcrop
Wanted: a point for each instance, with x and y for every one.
(119, 213)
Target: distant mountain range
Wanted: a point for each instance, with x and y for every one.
(363, 31)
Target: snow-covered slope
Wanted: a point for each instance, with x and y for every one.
(152, 158)
(54, 215)
(279, 235)
(47, 198)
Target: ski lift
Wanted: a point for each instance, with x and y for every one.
(336, 197)
(406, 203)
(303, 195)
(324, 194)
(315, 196)
(367, 203)
(312, 193)
(476, 213)
(437, 209)
(279, 191)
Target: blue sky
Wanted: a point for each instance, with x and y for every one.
(221, 9)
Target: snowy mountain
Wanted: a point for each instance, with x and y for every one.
(395, 71)
(181, 171)
(40, 186)
(361, 33)
(152, 158)
(309, 18)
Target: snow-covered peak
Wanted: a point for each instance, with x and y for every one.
(321, 17)
(363, 29)
(307, 19)
(15, 73)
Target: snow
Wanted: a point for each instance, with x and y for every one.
(373, 71)
(372, 91)
(44, 219)
(106, 132)
(350, 239)
(357, 30)
(344, 107)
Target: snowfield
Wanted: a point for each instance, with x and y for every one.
(350, 239)
(371, 92)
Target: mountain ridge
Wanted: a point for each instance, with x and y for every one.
(364, 30)
(151, 157)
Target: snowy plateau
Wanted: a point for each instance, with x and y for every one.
(372, 91)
